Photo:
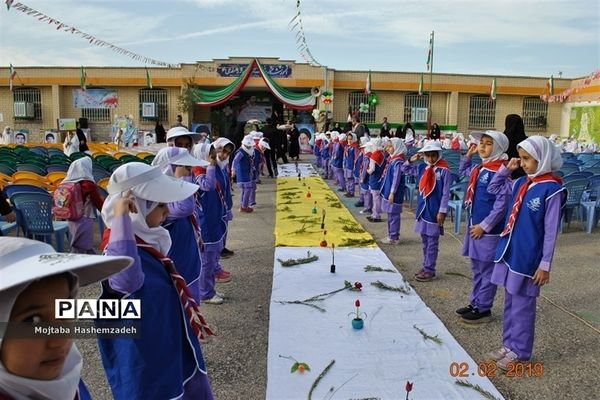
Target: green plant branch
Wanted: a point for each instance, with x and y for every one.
(385, 286)
(375, 268)
(351, 242)
(427, 336)
(482, 391)
(297, 261)
(318, 379)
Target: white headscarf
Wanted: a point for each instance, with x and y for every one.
(202, 151)
(501, 144)
(64, 386)
(6, 136)
(80, 170)
(342, 137)
(168, 158)
(364, 140)
(148, 188)
(545, 152)
(376, 143)
(399, 146)
(71, 145)
(219, 144)
(248, 144)
(410, 137)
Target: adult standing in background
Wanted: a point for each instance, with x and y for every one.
(358, 129)
(384, 131)
(514, 129)
(161, 134)
(294, 151)
(271, 135)
(282, 143)
(179, 122)
(436, 132)
(83, 147)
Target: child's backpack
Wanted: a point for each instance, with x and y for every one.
(68, 201)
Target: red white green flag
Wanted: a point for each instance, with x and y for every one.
(83, 79)
(550, 85)
(421, 86)
(148, 80)
(368, 84)
(12, 74)
(493, 89)
(430, 54)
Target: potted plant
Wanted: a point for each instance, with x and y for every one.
(358, 323)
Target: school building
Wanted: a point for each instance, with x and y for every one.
(44, 95)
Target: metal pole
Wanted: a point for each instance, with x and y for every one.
(430, 86)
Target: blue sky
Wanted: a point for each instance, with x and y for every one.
(491, 37)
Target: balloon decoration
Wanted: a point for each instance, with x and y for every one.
(363, 108)
(327, 97)
(373, 99)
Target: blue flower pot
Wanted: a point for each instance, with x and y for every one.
(358, 323)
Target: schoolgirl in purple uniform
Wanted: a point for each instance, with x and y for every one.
(392, 188)
(526, 248)
(487, 213)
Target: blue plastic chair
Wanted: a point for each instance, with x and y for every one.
(591, 203)
(575, 191)
(592, 163)
(57, 168)
(32, 168)
(569, 169)
(36, 211)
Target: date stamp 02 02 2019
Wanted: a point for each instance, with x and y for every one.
(491, 370)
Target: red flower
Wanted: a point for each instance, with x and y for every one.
(357, 285)
(408, 386)
(308, 195)
(323, 243)
(357, 303)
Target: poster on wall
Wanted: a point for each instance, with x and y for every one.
(67, 124)
(50, 137)
(20, 137)
(306, 138)
(95, 98)
(584, 124)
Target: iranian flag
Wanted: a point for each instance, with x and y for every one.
(421, 86)
(493, 90)
(82, 79)
(550, 85)
(368, 84)
(430, 53)
(12, 74)
(148, 80)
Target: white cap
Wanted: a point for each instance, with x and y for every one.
(432, 145)
(177, 156)
(181, 131)
(25, 260)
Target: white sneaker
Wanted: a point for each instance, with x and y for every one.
(221, 295)
(216, 299)
(387, 240)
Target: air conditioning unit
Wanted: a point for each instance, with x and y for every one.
(149, 110)
(418, 114)
(24, 110)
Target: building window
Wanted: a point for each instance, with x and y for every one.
(482, 112)
(96, 114)
(158, 97)
(32, 96)
(413, 100)
(354, 100)
(535, 113)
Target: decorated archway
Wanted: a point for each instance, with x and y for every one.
(212, 98)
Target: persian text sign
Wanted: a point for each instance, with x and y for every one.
(273, 70)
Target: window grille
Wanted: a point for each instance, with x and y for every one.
(535, 113)
(413, 100)
(482, 112)
(30, 95)
(96, 114)
(159, 98)
(354, 100)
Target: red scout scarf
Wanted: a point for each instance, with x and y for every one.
(492, 166)
(521, 195)
(197, 321)
(377, 156)
(427, 182)
(392, 159)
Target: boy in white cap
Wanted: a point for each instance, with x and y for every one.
(33, 277)
(181, 137)
(432, 204)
